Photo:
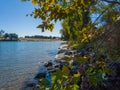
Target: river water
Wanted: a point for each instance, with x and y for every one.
(20, 61)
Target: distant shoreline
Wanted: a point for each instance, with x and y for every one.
(32, 39)
(37, 39)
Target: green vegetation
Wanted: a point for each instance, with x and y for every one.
(87, 24)
(42, 37)
(8, 36)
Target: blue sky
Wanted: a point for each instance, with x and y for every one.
(13, 19)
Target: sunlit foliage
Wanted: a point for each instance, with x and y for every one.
(85, 23)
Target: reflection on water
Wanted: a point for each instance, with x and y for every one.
(19, 61)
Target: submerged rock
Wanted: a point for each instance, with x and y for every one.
(49, 68)
(40, 75)
(48, 64)
(31, 84)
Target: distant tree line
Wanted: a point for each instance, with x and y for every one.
(42, 37)
(8, 36)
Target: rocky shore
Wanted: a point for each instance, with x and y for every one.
(110, 82)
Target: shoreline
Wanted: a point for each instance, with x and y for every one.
(33, 39)
(30, 40)
(58, 63)
(23, 54)
(37, 39)
(46, 69)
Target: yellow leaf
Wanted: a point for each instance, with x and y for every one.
(34, 1)
(82, 2)
(85, 57)
(77, 75)
(66, 0)
(52, 1)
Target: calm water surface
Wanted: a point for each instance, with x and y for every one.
(20, 61)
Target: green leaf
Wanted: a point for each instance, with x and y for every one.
(101, 75)
(75, 87)
(65, 71)
(93, 80)
(40, 26)
(89, 70)
(75, 80)
(50, 27)
(82, 59)
(44, 83)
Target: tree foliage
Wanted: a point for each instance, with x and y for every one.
(8, 36)
(85, 23)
